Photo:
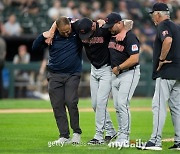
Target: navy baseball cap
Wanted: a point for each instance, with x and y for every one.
(159, 7)
(85, 28)
(111, 19)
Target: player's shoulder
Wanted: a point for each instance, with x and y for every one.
(102, 31)
(130, 36)
(75, 24)
(166, 23)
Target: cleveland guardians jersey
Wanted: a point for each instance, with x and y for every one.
(171, 70)
(122, 50)
(97, 47)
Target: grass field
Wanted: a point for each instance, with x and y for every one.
(31, 132)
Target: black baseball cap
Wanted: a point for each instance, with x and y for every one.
(159, 7)
(111, 19)
(85, 28)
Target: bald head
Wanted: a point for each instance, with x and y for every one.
(63, 26)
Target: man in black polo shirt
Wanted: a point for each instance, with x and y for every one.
(64, 72)
(124, 57)
(166, 72)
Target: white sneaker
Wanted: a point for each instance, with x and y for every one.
(63, 140)
(76, 138)
(119, 144)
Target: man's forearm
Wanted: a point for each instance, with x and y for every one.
(165, 48)
(53, 28)
(131, 61)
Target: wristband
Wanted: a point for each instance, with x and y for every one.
(161, 60)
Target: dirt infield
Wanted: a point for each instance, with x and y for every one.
(50, 110)
(137, 109)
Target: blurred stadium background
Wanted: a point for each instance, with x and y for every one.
(24, 76)
(22, 20)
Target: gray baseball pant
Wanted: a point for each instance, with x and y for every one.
(123, 87)
(100, 83)
(165, 90)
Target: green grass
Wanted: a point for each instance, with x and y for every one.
(31, 132)
(41, 104)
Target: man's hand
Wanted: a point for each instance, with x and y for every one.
(48, 34)
(48, 41)
(115, 70)
(128, 24)
(120, 36)
(162, 63)
(101, 22)
(49, 37)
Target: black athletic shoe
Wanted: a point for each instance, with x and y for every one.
(175, 147)
(107, 139)
(95, 142)
(151, 146)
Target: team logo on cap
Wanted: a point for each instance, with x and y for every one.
(134, 47)
(165, 32)
(106, 20)
(82, 31)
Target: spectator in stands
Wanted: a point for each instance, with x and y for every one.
(32, 7)
(57, 10)
(2, 59)
(23, 57)
(54, 11)
(42, 91)
(12, 27)
(134, 9)
(122, 9)
(71, 4)
(146, 51)
(84, 9)
(96, 5)
(76, 14)
(108, 7)
(177, 19)
(1, 6)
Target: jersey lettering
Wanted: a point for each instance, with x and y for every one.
(116, 46)
(94, 40)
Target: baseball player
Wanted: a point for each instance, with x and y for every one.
(124, 56)
(166, 72)
(95, 40)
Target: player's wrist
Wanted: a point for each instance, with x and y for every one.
(161, 60)
(118, 68)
